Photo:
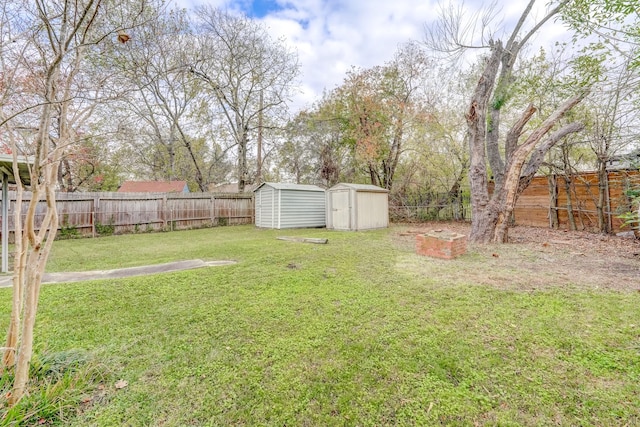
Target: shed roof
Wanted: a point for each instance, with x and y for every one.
(153, 187)
(286, 186)
(361, 187)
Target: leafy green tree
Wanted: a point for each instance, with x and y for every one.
(314, 151)
(380, 109)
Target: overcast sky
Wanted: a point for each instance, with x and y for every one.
(331, 36)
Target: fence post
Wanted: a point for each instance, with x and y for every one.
(94, 216)
(252, 208)
(213, 210)
(607, 196)
(163, 211)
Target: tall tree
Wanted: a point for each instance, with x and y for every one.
(381, 107)
(313, 151)
(613, 126)
(164, 104)
(249, 74)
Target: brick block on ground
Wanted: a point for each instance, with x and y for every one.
(441, 244)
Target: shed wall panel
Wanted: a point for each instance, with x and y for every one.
(280, 207)
(302, 209)
(258, 208)
(372, 210)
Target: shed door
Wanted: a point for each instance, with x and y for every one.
(340, 209)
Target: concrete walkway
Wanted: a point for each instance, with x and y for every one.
(6, 281)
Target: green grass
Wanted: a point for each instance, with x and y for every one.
(331, 335)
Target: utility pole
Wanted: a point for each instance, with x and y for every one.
(259, 166)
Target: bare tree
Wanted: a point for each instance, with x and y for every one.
(166, 99)
(614, 127)
(508, 155)
(55, 38)
(249, 74)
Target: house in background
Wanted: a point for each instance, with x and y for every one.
(229, 188)
(624, 161)
(154, 187)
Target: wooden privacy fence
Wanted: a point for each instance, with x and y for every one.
(90, 214)
(552, 199)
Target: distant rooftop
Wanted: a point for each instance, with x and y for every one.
(154, 187)
(287, 186)
(229, 188)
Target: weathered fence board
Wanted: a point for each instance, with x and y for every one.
(534, 205)
(91, 213)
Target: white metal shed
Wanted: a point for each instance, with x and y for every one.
(289, 206)
(357, 207)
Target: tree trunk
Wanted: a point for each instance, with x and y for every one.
(373, 175)
(242, 162)
(36, 261)
(476, 129)
(19, 267)
(260, 125)
(391, 163)
(537, 157)
(483, 225)
(507, 196)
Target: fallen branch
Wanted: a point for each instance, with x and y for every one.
(304, 240)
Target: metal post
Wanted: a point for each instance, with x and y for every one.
(5, 223)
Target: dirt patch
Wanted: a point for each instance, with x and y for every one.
(534, 258)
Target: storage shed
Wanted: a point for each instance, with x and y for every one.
(357, 207)
(289, 206)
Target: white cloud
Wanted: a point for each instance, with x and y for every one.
(331, 36)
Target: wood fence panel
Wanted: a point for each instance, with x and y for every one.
(190, 212)
(124, 214)
(90, 213)
(533, 205)
(233, 211)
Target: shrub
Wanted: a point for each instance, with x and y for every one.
(105, 229)
(68, 231)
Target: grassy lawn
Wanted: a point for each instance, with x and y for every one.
(331, 335)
